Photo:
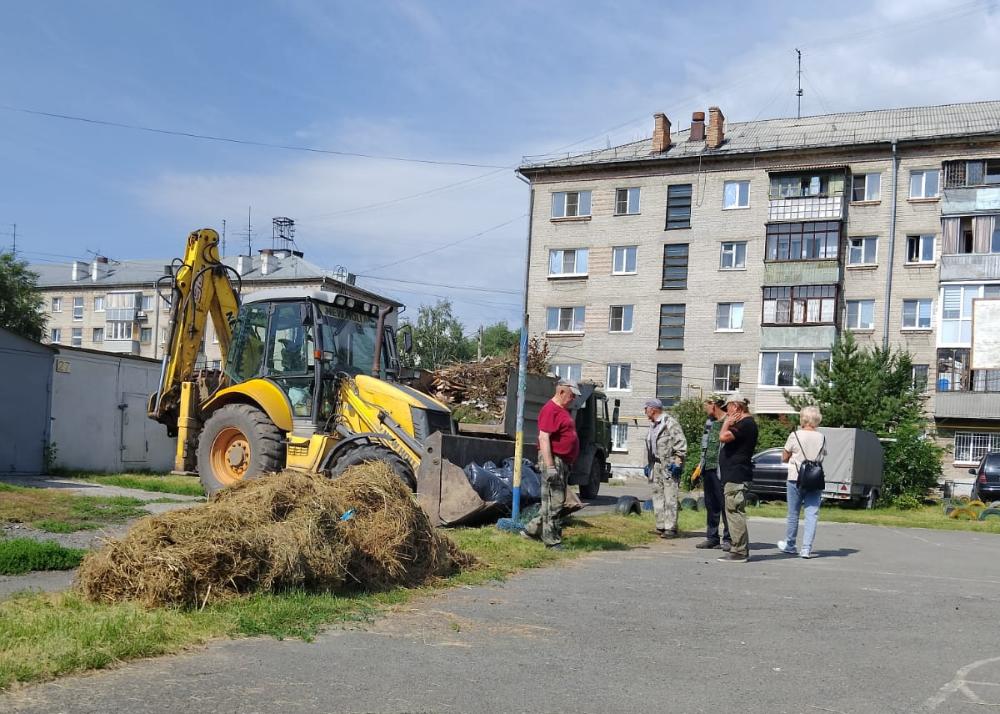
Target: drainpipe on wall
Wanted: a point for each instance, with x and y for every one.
(892, 245)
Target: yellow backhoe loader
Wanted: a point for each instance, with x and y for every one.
(307, 383)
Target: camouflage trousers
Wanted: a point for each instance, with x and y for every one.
(665, 492)
(548, 524)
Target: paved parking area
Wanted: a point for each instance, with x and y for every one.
(885, 620)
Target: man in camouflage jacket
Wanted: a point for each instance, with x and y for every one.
(666, 448)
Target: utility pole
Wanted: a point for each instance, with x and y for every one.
(479, 349)
(249, 229)
(798, 94)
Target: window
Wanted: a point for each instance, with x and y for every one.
(956, 314)
(118, 330)
(800, 305)
(626, 201)
(565, 319)
(146, 335)
(860, 315)
(97, 335)
(55, 335)
(807, 186)
(672, 327)
(56, 304)
(568, 262)
(120, 301)
(734, 256)
(619, 376)
(780, 369)
(971, 447)
(920, 249)
(971, 173)
(924, 184)
(920, 377)
(147, 303)
(570, 204)
(568, 371)
(621, 318)
(679, 206)
(954, 374)
(76, 337)
(619, 437)
(675, 266)
(736, 194)
(863, 251)
(729, 317)
(77, 309)
(99, 303)
(163, 335)
(917, 314)
(668, 384)
(623, 260)
(726, 378)
(812, 240)
(866, 187)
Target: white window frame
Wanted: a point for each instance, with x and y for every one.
(561, 204)
(76, 337)
(619, 438)
(97, 335)
(861, 305)
(146, 303)
(568, 370)
(626, 319)
(98, 303)
(977, 444)
(118, 330)
(78, 309)
(929, 302)
(964, 315)
(557, 257)
(730, 309)
(55, 336)
(728, 376)
(869, 198)
(55, 305)
(732, 248)
(762, 384)
(632, 200)
(619, 377)
(623, 251)
(864, 243)
(922, 242)
(576, 318)
(742, 187)
(922, 173)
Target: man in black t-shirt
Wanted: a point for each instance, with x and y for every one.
(739, 441)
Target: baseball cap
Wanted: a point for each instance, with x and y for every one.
(736, 397)
(653, 404)
(571, 384)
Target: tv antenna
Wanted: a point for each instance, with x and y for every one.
(798, 93)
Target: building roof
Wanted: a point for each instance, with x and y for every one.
(881, 126)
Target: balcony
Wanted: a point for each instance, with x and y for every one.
(797, 337)
(967, 405)
(806, 208)
(802, 272)
(130, 347)
(963, 201)
(970, 266)
(120, 314)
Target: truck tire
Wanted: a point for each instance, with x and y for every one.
(367, 453)
(590, 489)
(871, 500)
(238, 442)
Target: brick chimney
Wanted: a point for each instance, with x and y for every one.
(697, 127)
(715, 128)
(661, 133)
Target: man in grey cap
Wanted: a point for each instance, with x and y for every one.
(666, 448)
(738, 437)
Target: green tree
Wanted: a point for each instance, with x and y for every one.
(438, 338)
(691, 415)
(912, 465)
(772, 431)
(20, 301)
(498, 340)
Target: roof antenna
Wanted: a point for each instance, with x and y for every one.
(798, 94)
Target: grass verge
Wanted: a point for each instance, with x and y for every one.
(158, 483)
(923, 517)
(57, 512)
(45, 636)
(23, 555)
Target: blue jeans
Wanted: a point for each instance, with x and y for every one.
(796, 500)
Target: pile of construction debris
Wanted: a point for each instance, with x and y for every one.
(362, 531)
(483, 385)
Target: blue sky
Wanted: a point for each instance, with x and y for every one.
(482, 83)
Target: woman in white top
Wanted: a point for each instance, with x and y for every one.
(804, 444)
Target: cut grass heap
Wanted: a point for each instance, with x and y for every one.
(59, 512)
(23, 555)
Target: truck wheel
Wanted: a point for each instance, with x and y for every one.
(238, 442)
(375, 452)
(872, 499)
(590, 489)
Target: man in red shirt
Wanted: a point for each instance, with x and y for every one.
(558, 448)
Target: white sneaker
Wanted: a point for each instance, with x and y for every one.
(806, 554)
(783, 547)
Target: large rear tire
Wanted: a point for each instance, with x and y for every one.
(238, 442)
(375, 452)
(590, 489)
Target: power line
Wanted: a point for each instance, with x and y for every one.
(441, 285)
(244, 142)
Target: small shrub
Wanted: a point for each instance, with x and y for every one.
(912, 464)
(772, 431)
(906, 502)
(23, 555)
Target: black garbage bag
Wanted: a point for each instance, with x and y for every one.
(489, 484)
(531, 482)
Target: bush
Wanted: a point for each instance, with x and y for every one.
(772, 431)
(23, 555)
(912, 466)
(906, 502)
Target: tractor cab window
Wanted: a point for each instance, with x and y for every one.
(247, 348)
(349, 337)
(290, 358)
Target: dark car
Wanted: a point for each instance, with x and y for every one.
(770, 475)
(987, 485)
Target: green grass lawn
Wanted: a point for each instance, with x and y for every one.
(48, 635)
(23, 555)
(60, 512)
(158, 483)
(923, 517)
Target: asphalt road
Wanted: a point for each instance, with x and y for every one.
(884, 620)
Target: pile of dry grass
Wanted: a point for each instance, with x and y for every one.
(274, 533)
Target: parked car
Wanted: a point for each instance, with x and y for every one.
(770, 475)
(987, 485)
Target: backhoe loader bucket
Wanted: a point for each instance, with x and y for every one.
(442, 488)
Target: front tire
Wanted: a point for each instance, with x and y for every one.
(590, 489)
(238, 443)
(368, 453)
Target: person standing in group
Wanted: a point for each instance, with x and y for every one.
(803, 444)
(666, 448)
(715, 506)
(558, 448)
(738, 437)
